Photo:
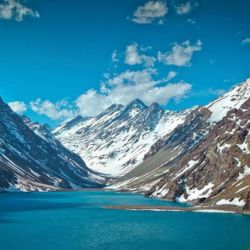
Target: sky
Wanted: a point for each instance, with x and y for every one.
(63, 58)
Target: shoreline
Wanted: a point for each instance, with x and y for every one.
(207, 209)
(162, 208)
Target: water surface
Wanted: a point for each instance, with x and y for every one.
(76, 220)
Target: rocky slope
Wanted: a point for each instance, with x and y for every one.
(32, 159)
(116, 141)
(205, 160)
(217, 171)
(167, 150)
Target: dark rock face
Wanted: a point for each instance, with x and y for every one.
(167, 152)
(246, 198)
(186, 135)
(32, 159)
(6, 177)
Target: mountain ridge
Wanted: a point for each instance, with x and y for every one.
(32, 159)
(132, 128)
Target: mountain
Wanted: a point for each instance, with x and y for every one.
(205, 160)
(115, 141)
(167, 150)
(31, 158)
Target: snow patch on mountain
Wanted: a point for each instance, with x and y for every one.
(232, 99)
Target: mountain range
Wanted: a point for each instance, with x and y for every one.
(199, 155)
(115, 141)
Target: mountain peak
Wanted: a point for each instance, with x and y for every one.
(111, 109)
(155, 105)
(47, 127)
(137, 103)
(71, 123)
(76, 119)
(114, 107)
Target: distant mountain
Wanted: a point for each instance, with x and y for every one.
(205, 160)
(31, 158)
(115, 141)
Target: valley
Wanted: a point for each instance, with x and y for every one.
(199, 155)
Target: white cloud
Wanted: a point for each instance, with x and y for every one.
(12, 9)
(92, 103)
(180, 54)
(150, 12)
(246, 41)
(123, 88)
(18, 107)
(56, 111)
(185, 8)
(171, 75)
(114, 56)
(132, 57)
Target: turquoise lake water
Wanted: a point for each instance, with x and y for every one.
(76, 220)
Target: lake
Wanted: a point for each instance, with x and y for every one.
(76, 220)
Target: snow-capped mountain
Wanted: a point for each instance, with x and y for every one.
(217, 171)
(232, 99)
(205, 160)
(115, 141)
(31, 158)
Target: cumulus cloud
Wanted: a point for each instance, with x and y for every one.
(150, 12)
(180, 54)
(13, 9)
(185, 8)
(132, 56)
(123, 88)
(18, 107)
(246, 41)
(56, 111)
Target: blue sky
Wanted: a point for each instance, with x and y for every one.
(56, 56)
